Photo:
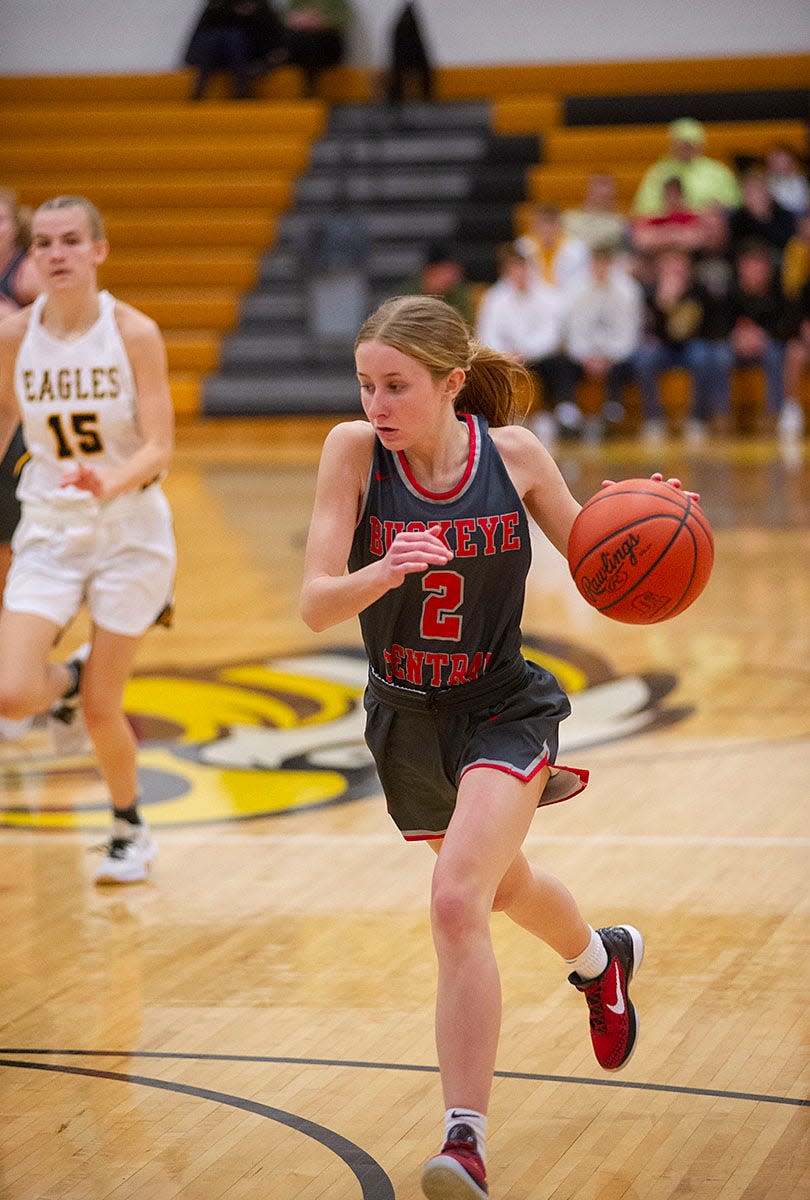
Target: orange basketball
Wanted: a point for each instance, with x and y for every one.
(640, 551)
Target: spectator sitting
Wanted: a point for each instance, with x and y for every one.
(598, 221)
(558, 259)
(524, 316)
(242, 37)
(713, 268)
(796, 259)
(705, 180)
(680, 321)
(316, 31)
(19, 279)
(758, 325)
(677, 226)
(797, 359)
(760, 216)
(604, 331)
(788, 184)
(443, 275)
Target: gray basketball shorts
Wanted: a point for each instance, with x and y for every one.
(424, 743)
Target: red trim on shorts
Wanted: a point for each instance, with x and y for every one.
(403, 462)
(580, 773)
(525, 777)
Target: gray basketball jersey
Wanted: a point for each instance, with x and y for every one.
(449, 624)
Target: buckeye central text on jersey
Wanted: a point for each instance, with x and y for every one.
(451, 623)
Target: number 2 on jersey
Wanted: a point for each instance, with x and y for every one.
(86, 435)
(439, 616)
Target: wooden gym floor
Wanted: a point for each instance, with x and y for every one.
(256, 1020)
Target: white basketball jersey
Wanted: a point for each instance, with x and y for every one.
(77, 402)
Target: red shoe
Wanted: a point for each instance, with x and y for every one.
(613, 1019)
(456, 1172)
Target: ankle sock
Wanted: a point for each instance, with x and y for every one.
(131, 814)
(592, 961)
(477, 1122)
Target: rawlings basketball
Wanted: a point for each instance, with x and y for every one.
(640, 551)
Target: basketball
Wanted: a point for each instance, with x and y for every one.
(640, 551)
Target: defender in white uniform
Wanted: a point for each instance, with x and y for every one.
(87, 375)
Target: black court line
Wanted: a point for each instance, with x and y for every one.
(529, 1077)
(374, 1183)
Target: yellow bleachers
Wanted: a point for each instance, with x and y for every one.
(624, 78)
(146, 119)
(252, 228)
(179, 153)
(191, 192)
(604, 144)
(182, 267)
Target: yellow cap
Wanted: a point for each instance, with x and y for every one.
(687, 129)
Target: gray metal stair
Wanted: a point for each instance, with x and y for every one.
(418, 175)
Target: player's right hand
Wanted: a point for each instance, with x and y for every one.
(413, 552)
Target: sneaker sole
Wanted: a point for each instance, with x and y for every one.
(443, 1180)
(638, 946)
(130, 876)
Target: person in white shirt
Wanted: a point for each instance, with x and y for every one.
(558, 258)
(604, 326)
(524, 317)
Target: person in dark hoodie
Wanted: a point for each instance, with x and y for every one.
(410, 61)
(245, 38)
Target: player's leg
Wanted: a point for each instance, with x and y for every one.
(601, 963)
(491, 818)
(490, 822)
(29, 682)
(108, 669)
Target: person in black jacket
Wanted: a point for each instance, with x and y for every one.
(409, 58)
(760, 216)
(681, 328)
(242, 37)
(756, 324)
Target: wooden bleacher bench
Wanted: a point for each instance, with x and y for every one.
(253, 228)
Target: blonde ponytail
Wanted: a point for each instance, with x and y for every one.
(497, 387)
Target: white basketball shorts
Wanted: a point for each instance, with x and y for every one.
(118, 558)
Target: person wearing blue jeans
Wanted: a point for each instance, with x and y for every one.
(709, 364)
(758, 325)
(678, 321)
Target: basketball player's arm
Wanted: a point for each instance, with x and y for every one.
(154, 414)
(328, 594)
(538, 482)
(11, 333)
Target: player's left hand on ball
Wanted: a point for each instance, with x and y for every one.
(676, 483)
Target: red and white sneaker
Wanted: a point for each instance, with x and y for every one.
(613, 1019)
(457, 1171)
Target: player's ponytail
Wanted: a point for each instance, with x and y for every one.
(434, 334)
(497, 387)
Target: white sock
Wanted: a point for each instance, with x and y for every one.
(592, 961)
(477, 1122)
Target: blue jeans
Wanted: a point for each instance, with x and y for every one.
(772, 362)
(710, 371)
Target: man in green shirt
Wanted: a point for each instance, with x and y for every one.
(705, 181)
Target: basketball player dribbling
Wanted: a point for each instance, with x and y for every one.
(426, 503)
(88, 376)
